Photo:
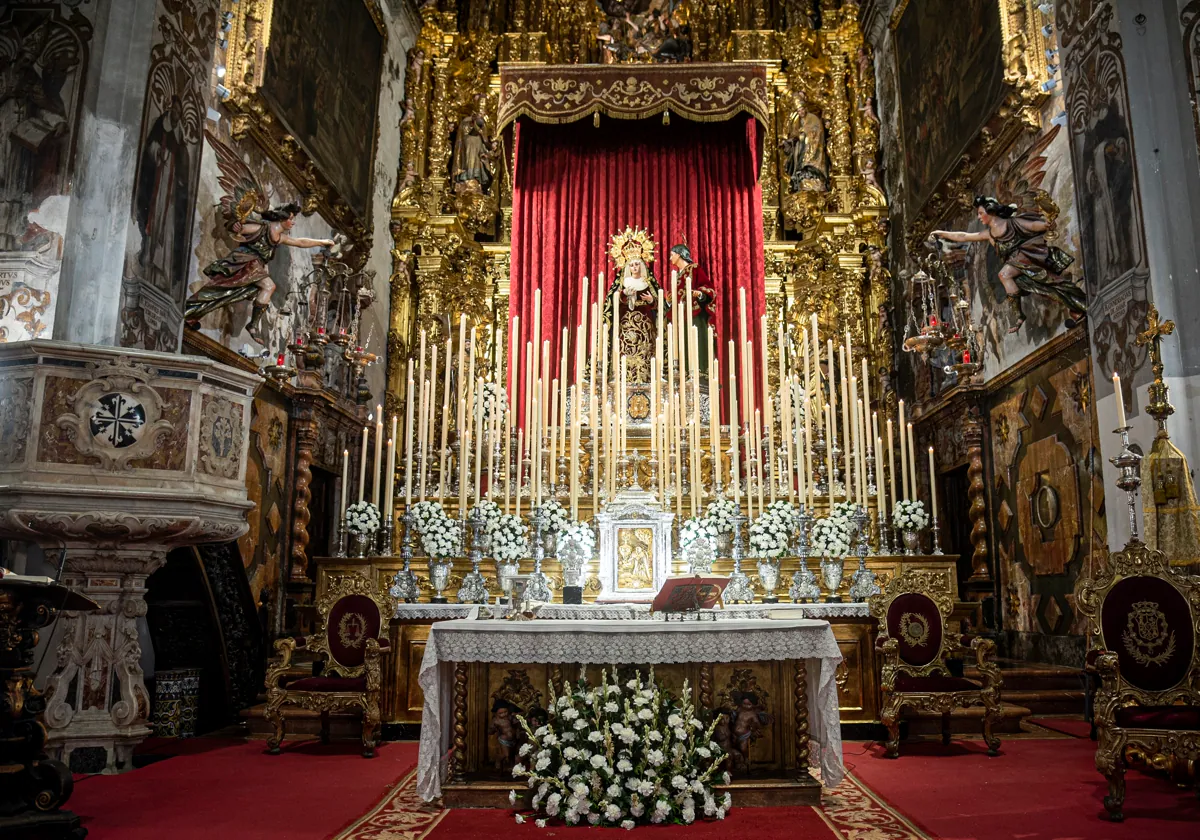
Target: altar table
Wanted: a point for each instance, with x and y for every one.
(787, 665)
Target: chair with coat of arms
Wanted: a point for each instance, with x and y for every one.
(917, 645)
(1143, 625)
(354, 616)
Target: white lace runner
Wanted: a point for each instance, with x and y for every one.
(626, 642)
(629, 612)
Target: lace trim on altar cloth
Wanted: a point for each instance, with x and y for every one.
(632, 641)
(628, 612)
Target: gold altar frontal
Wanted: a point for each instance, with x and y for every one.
(858, 676)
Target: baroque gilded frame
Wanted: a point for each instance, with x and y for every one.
(1115, 742)
(1023, 56)
(251, 116)
(936, 587)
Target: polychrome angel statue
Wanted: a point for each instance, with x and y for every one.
(259, 230)
(1031, 264)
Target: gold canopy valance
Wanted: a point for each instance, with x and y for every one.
(566, 93)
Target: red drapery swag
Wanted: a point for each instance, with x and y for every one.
(576, 185)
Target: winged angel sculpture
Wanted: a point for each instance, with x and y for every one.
(259, 230)
(1019, 232)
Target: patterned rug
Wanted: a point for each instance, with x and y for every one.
(851, 812)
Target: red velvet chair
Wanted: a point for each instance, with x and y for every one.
(354, 616)
(1144, 622)
(916, 645)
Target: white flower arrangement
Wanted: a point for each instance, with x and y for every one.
(720, 515)
(581, 534)
(910, 515)
(425, 514)
(788, 512)
(831, 537)
(442, 538)
(508, 538)
(489, 510)
(554, 517)
(362, 519)
(621, 754)
(492, 398)
(845, 510)
(769, 534)
(695, 528)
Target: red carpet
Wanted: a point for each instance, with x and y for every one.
(1075, 727)
(1034, 790)
(226, 789)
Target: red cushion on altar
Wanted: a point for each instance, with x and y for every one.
(329, 684)
(913, 620)
(352, 620)
(1148, 624)
(906, 684)
(1159, 717)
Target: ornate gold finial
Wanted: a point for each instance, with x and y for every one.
(631, 243)
(1158, 408)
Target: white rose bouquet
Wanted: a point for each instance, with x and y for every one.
(362, 519)
(720, 515)
(695, 528)
(489, 510)
(581, 534)
(554, 517)
(786, 511)
(424, 514)
(492, 398)
(508, 538)
(910, 515)
(621, 754)
(769, 535)
(845, 510)
(831, 537)
(442, 538)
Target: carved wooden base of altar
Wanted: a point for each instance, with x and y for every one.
(774, 710)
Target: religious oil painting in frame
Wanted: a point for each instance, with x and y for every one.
(950, 76)
(323, 69)
(635, 558)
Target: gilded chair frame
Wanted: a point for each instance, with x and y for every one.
(279, 695)
(1117, 744)
(936, 587)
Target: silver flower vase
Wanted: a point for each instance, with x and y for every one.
(832, 571)
(912, 539)
(360, 544)
(439, 576)
(768, 575)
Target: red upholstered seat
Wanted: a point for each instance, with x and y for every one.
(329, 684)
(914, 621)
(905, 683)
(1159, 717)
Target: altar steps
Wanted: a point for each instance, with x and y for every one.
(1043, 689)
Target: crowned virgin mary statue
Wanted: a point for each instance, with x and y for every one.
(633, 297)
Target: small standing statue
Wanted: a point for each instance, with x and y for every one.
(632, 250)
(704, 297)
(803, 148)
(1031, 264)
(259, 231)
(471, 167)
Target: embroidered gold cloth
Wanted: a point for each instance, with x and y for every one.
(1170, 511)
(701, 92)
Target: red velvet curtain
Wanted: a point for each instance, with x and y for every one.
(576, 185)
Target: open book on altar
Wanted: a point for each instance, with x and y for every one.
(693, 592)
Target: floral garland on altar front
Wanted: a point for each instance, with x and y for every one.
(621, 755)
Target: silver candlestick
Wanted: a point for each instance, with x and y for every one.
(804, 589)
(474, 589)
(821, 487)
(1130, 480)
(404, 583)
(835, 478)
(862, 585)
(738, 590)
(339, 536)
(538, 588)
(937, 548)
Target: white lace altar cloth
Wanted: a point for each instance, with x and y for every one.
(625, 642)
(628, 612)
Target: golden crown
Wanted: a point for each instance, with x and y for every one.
(631, 243)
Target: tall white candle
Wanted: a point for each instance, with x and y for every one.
(345, 488)
(379, 439)
(880, 483)
(390, 476)
(912, 462)
(891, 453)
(903, 455)
(408, 437)
(734, 465)
(362, 466)
(932, 485)
(1121, 422)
